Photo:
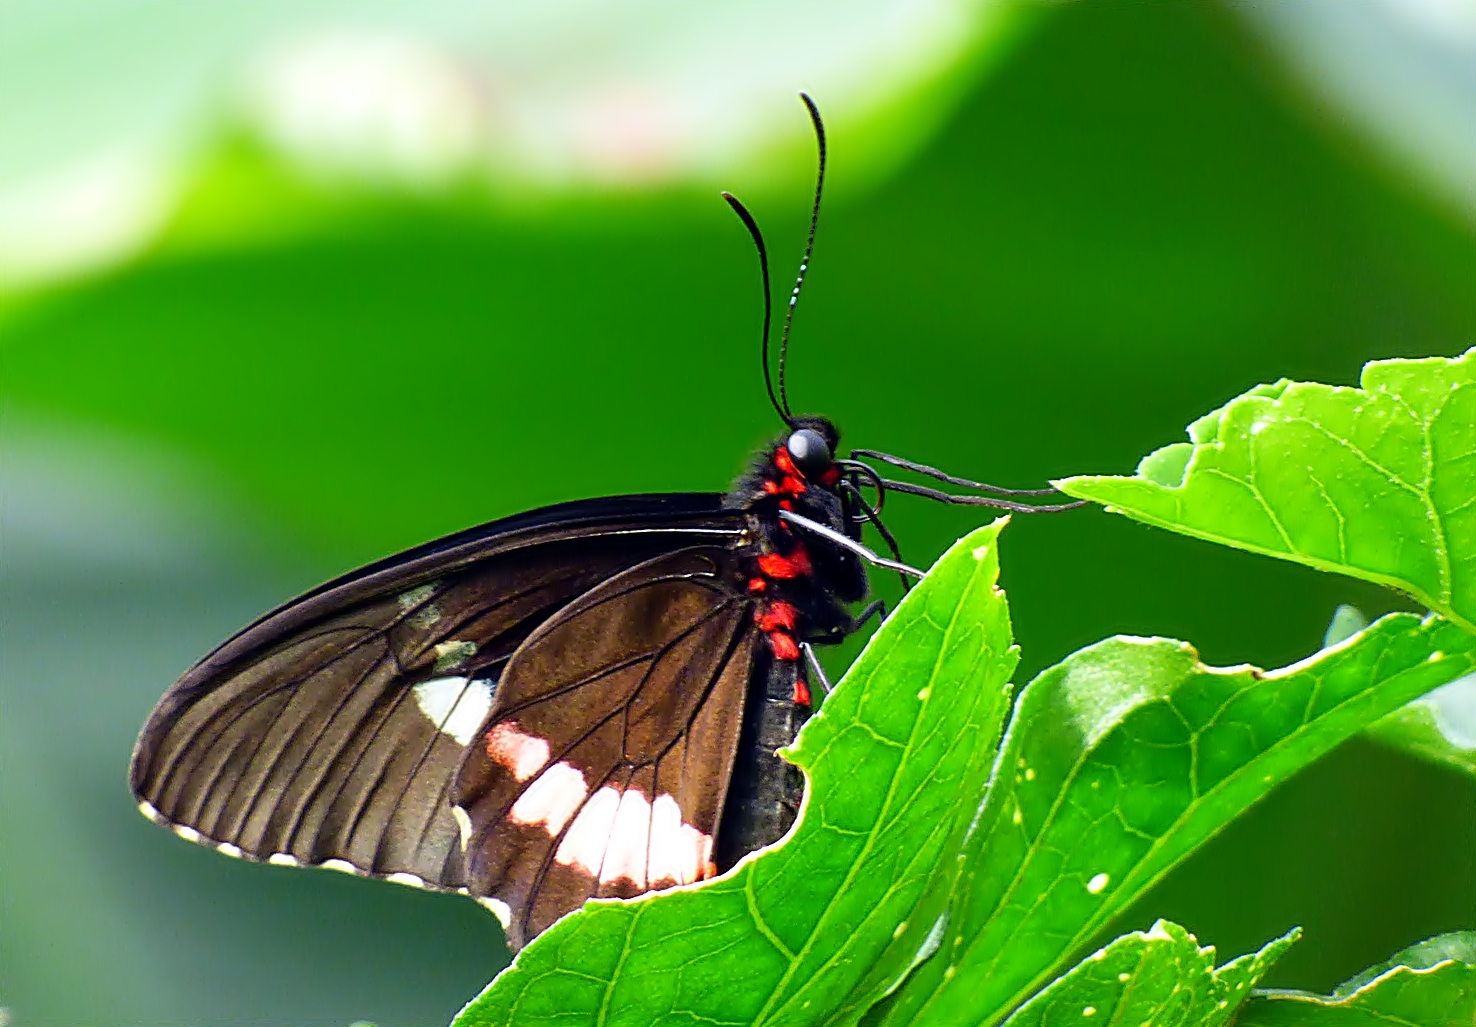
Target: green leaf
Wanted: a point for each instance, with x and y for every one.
(1436, 727)
(1439, 727)
(1425, 729)
(1119, 762)
(1432, 984)
(897, 760)
(1377, 482)
(1160, 977)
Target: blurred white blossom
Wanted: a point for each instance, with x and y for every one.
(548, 96)
(1404, 71)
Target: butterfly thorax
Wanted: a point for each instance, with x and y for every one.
(800, 584)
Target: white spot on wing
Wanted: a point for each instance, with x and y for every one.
(463, 824)
(552, 799)
(679, 852)
(227, 849)
(283, 859)
(630, 838)
(401, 877)
(189, 834)
(523, 754)
(457, 706)
(501, 910)
(147, 809)
(584, 845)
(343, 866)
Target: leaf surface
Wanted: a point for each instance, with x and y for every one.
(1432, 984)
(1160, 976)
(1118, 763)
(1377, 482)
(897, 760)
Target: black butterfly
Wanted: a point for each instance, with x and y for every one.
(583, 700)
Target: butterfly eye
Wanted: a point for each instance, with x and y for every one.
(810, 453)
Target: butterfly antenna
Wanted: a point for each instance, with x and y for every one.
(809, 247)
(763, 255)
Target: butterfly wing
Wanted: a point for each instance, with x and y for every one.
(606, 759)
(330, 731)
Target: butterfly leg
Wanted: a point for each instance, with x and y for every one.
(815, 668)
(830, 534)
(839, 633)
(873, 607)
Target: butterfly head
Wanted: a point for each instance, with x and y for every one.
(811, 445)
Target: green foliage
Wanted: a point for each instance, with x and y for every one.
(1418, 727)
(897, 760)
(1416, 730)
(1377, 482)
(1431, 984)
(1122, 760)
(1160, 977)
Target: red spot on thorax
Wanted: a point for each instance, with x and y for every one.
(830, 477)
(785, 462)
(776, 615)
(757, 585)
(802, 695)
(777, 565)
(785, 647)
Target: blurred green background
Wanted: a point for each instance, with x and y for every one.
(1053, 239)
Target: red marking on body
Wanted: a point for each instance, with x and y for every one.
(777, 565)
(830, 477)
(757, 585)
(771, 487)
(784, 646)
(802, 695)
(776, 615)
(791, 485)
(786, 504)
(785, 462)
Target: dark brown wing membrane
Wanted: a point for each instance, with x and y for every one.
(606, 759)
(329, 732)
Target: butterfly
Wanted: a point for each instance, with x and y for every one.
(580, 701)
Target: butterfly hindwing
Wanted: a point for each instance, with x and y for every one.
(604, 765)
(330, 731)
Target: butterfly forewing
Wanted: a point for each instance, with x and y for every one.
(611, 741)
(330, 731)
